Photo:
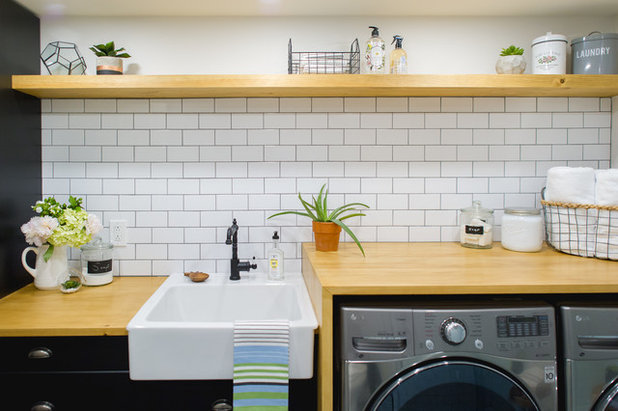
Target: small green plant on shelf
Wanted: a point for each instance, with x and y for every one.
(317, 211)
(512, 51)
(109, 50)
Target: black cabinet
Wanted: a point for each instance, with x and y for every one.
(92, 373)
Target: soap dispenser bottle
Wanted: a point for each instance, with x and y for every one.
(375, 57)
(399, 57)
(275, 260)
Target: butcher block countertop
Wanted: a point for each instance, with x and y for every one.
(438, 269)
(104, 310)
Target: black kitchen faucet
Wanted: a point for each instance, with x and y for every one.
(236, 266)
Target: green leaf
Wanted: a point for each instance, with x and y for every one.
(308, 207)
(346, 207)
(350, 233)
(290, 212)
(48, 253)
(123, 55)
(109, 46)
(352, 215)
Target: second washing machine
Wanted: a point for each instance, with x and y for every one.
(448, 357)
(590, 335)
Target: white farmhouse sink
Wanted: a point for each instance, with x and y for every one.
(185, 330)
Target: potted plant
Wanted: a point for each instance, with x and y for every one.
(57, 227)
(327, 225)
(108, 59)
(511, 61)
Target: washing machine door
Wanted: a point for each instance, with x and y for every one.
(609, 400)
(453, 385)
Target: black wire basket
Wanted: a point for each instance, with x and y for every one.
(585, 230)
(324, 62)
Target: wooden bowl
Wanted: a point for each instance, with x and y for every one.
(197, 276)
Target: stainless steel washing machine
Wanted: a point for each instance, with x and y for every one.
(591, 356)
(437, 358)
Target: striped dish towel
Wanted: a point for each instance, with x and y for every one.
(261, 365)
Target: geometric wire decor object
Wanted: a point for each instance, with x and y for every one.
(62, 57)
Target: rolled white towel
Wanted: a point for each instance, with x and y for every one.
(571, 185)
(607, 187)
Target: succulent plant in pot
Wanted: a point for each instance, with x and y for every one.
(327, 225)
(109, 59)
(511, 61)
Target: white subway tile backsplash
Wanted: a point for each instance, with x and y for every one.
(166, 170)
(440, 120)
(116, 121)
(472, 120)
(198, 105)
(392, 104)
(247, 153)
(149, 121)
(182, 121)
(133, 106)
(360, 104)
(150, 154)
(67, 137)
(327, 104)
(168, 105)
(521, 104)
(424, 104)
(279, 120)
(67, 106)
(215, 121)
(408, 120)
(552, 104)
(488, 104)
(376, 120)
(179, 170)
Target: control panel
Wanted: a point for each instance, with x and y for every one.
(395, 332)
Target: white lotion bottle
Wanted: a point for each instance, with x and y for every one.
(275, 260)
(374, 60)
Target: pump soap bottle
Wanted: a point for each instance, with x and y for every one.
(374, 60)
(275, 260)
(399, 57)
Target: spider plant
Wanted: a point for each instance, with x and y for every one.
(317, 210)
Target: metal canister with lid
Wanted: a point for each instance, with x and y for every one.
(549, 54)
(522, 229)
(596, 53)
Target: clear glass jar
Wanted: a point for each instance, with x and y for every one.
(96, 262)
(522, 229)
(476, 226)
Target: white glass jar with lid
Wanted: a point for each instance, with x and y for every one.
(522, 230)
(476, 226)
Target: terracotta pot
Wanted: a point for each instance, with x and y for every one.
(109, 65)
(326, 236)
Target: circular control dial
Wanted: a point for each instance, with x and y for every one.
(453, 331)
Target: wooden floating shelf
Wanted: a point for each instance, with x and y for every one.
(316, 85)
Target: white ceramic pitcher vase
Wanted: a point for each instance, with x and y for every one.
(48, 275)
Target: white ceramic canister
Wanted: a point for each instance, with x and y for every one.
(549, 54)
(522, 229)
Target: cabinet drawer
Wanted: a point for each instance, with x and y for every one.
(44, 354)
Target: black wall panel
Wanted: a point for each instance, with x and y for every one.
(20, 139)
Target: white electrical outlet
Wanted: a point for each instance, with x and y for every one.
(118, 232)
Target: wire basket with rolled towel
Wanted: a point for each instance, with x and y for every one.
(581, 211)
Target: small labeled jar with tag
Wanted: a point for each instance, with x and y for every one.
(96, 262)
(476, 226)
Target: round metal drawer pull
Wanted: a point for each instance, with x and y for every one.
(43, 406)
(39, 353)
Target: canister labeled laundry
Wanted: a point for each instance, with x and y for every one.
(549, 54)
(596, 53)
